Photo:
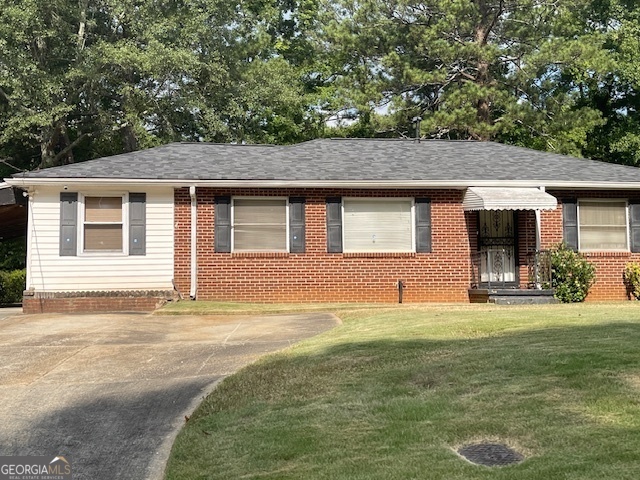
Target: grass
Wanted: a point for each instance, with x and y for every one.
(236, 308)
(392, 392)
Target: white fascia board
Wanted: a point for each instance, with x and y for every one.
(358, 184)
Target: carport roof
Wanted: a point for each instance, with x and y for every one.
(13, 213)
(344, 161)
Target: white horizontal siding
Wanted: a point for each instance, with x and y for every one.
(48, 271)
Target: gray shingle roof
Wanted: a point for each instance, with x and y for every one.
(346, 160)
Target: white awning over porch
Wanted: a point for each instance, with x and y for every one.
(499, 198)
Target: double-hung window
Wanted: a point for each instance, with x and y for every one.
(103, 224)
(603, 225)
(259, 225)
(378, 225)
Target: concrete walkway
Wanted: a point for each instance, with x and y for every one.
(6, 312)
(110, 391)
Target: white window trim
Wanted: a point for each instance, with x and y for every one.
(125, 224)
(233, 223)
(382, 199)
(605, 200)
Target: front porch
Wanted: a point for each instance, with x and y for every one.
(508, 265)
(491, 284)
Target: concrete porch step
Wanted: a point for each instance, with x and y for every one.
(511, 296)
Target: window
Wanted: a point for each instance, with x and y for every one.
(378, 225)
(103, 224)
(260, 224)
(603, 225)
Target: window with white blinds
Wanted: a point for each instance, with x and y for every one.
(259, 225)
(603, 225)
(103, 224)
(378, 225)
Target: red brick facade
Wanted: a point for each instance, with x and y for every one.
(317, 276)
(444, 275)
(609, 284)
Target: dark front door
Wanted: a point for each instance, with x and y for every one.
(497, 243)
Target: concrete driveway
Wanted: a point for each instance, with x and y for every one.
(111, 391)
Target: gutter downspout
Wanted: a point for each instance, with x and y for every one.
(30, 233)
(194, 243)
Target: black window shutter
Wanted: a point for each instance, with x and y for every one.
(137, 223)
(423, 225)
(68, 224)
(570, 223)
(634, 225)
(296, 224)
(222, 225)
(334, 225)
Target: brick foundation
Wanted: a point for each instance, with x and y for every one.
(93, 302)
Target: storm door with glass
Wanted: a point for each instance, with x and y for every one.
(497, 240)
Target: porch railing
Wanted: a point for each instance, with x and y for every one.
(490, 264)
(538, 269)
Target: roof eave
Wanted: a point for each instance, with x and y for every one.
(358, 184)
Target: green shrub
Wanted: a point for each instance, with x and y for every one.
(572, 274)
(13, 253)
(12, 284)
(632, 278)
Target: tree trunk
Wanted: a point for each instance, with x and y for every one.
(488, 18)
(84, 5)
(66, 155)
(47, 148)
(483, 106)
(130, 140)
(55, 146)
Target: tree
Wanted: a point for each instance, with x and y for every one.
(77, 75)
(617, 95)
(81, 79)
(39, 45)
(509, 70)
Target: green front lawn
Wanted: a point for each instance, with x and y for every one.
(393, 391)
(187, 307)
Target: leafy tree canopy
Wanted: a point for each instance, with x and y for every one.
(87, 78)
(81, 79)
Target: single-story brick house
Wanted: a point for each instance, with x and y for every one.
(325, 220)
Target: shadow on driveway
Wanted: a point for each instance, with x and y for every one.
(110, 391)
